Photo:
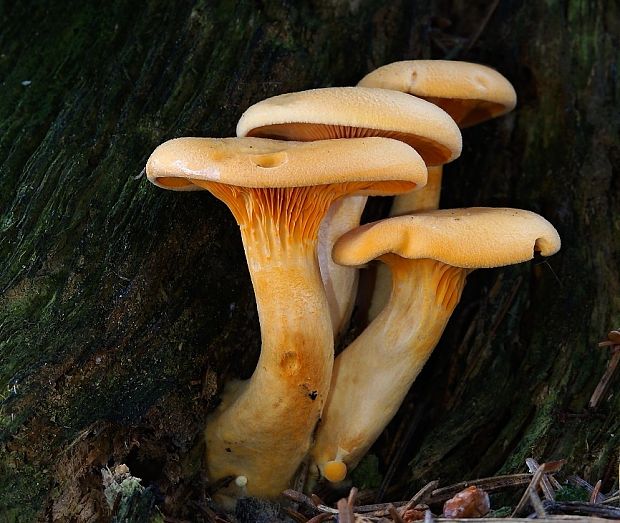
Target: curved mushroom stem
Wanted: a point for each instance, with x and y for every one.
(426, 198)
(263, 428)
(372, 375)
(340, 282)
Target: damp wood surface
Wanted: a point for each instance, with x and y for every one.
(125, 308)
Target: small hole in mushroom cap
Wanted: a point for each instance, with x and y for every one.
(414, 77)
(270, 160)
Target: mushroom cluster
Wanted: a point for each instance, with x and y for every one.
(296, 179)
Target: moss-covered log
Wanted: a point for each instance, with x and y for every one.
(124, 308)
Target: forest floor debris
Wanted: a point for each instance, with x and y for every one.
(544, 499)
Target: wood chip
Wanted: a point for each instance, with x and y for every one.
(473, 502)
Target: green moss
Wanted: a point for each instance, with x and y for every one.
(23, 489)
(502, 512)
(570, 493)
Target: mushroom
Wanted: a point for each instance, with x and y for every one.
(345, 112)
(430, 254)
(470, 93)
(278, 192)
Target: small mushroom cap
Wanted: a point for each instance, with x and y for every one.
(258, 162)
(470, 238)
(348, 112)
(470, 92)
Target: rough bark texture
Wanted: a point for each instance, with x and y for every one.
(123, 308)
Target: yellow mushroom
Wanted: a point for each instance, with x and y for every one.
(346, 112)
(430, 254)
(278, 192)
(470, 93)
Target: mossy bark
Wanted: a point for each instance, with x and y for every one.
(124, 308)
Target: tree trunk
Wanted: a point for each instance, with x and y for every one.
(125, 308)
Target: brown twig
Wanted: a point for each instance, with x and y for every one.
(579, 508)
(526, 495)
(293, 514)
(316, 500)
(536, 502)
(603, 384)
(545, 483)
(345, 512)
(597, 489)
(420, 496)
(530, 494)
(395, 515)
(378, 509)
(320, 518)
(326, 509)
(301, 499)
(352, 496)
(492, 484)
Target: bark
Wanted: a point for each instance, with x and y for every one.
(124, 309)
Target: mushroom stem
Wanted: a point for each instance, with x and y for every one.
(425, 198)
(264, 426)
(372, 375)
(340, 282)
